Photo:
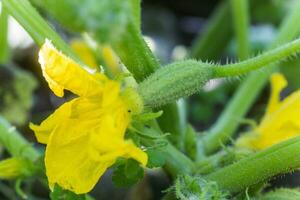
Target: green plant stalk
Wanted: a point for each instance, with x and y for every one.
(4, 49)
(14, 142)
(176, 162)
(240, 12)
(259, 167)
(136, 12)
(135, 53)
(258, 62)
(169, 122)
(221, 132)
(210, 44)
(141, 62)
(35, 25)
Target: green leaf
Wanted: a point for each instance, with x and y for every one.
(127, 173)
(155, 158)
(106, 20)
(61, 194)
(148, 116)
(16, 90)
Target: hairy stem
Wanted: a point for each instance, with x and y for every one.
(248, 91)
(260, 61)
(240, 16)
(259, 167)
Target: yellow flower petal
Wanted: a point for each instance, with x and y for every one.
(84, 52)
(63, 73)
(82, 147)
(43, 131)
(281, 122)
(278, 83)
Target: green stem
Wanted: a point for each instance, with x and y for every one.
(210, 44)
(15, 144)
(259, 167)
(4, 49)
(141, 62)
(259, 61)
(248, 91)
(35, 25)
(176, 162)
(136, 12)
(135, 53)
(240, 13)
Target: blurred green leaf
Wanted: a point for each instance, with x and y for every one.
(155, 158)
(16, 90)
(106, 20)
(61, 194)
(282, 194)
(190, 142)
(127, 172)
(291, 71)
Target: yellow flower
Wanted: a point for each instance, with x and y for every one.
(86, 135)
(281, 121)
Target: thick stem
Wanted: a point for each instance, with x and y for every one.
(136, 12)
(248, 91)
(141, 62)
(259, 167)
(135, 53)
(4, 49)
(240, 16)
(176, 162)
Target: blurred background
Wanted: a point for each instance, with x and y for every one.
(170, 27)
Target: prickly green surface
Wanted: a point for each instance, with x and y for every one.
(174, 81)
(192, 188)
(184, 78)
